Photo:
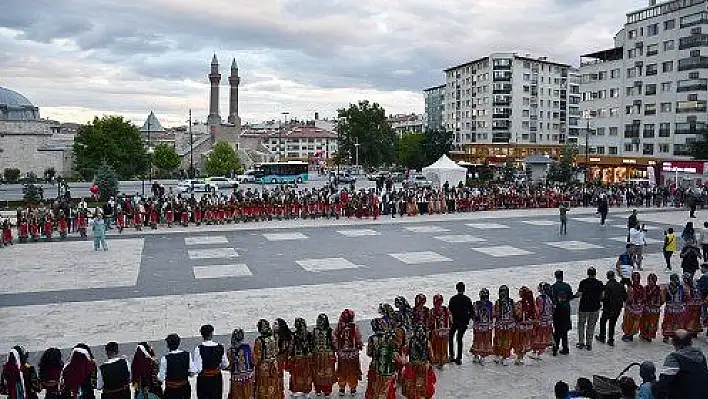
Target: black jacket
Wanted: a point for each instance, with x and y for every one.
(685, 376)
(461, 310)
(615, 295)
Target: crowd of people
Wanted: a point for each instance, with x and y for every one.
(165, 208)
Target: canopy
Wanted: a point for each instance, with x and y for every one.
(445, 170)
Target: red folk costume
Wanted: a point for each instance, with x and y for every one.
(63, 226)
(542, 337)
(34, 229)
(526, 318)
(324, 361)
(169, 216)
(301, 359)
(694, 305)
(6, 233)
(674, 309)
(18, 379)
(348, 343)
(137, 219)
(482, 327)
(634, 307)
(79, 375)
(48, 228)
(23, 230)
(421, 313)
(439, 328)
(652, 309)
(504, 324)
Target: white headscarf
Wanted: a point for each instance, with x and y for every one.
(18, 362)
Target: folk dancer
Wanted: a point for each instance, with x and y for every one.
(652, 309)
(82, 222)
(542, 336)
(175, 369)
(79, 377)
(138, 213)
(114, 375)
(284, 339)
(694, 306)
(418, 374)
(503, 325)
(404, 313)
(34, 228)
(383, 351)
(348, 343)
(209, 359)
(421, 313)
(23, 230)
(526, 319)
(18, 379)
(241, 367)
(62, 225)
(48, 227)
(143, 373)
(324, 360)
(674, 309)
(439, 328)
(50, 366)
(300, 360)
(482, 326)
(634, 308)
(269, 376)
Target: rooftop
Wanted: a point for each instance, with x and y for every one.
(16, 107)
(305, 132)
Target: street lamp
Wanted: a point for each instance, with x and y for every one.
(356, 152)
(280, 135)
(587, 118)
(191, 148)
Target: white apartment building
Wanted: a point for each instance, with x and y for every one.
(506, 98)
(647, 96)
(301, 142)
(403, 124)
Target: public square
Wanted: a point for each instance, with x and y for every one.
(153, 283)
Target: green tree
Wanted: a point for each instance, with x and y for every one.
(49, 174)
(365, 123)
(699, 148)
(165, 159)
(563, 171)
(508, 171)
(222, 160)
(107, 181)
(410, 152)
(436, 143)
(32, 192)
(11, 175)
(112, 140)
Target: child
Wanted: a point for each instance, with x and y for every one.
(648, 373)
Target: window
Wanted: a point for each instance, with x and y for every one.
(527, 77)
(614, 93)
(664, 148)
(602, 75)
(631, 72)
(664, 130)
(525, 113)
(615, 73)
(649, 109)
(694, 75)
(668, 45)
(694, 19)
(628, 147)
(651, 70)
(613, 131)
(648, 131)
(650, 90)
(600, 150)
(667, 66)
(666, 87)
(652, 49)
(600, 131)
(652, 30)
(648, 149)
(665, 107)
(669, 24)
(695, 53)
(527, 101)
(612, 150)
(632, 34)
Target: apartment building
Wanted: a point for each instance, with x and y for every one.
(403, 124)
(434, 108)
(506, 100)
(645, 99)
(301, 142)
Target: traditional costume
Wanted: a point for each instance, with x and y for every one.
(674, 308)
(210, 359)
(143, 373)
(439, 331)
(18, 380)
(504, 325)
(269, 377)
(418, 375)
(634, 307)
(383, 351)
(114, 379)
(526, 318)
(482, 327)
(175, 368)
(542, 337)
(300, 359)
(652, 309)
(421, 313)
(348, 344)
(694, 305)
(79, 376)
(284, 339)
(50, 367)
(241, 367)
(324, 360)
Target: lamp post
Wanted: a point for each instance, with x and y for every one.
(587, 118)
(356, 152)
(280, 135)
(191, 148)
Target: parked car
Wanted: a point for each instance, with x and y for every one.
(248, 176)
(343, 177)
(417, 181)
(193, 186)
(376, 175)
(223, 182)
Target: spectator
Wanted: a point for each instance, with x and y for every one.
(685, 373)
(628, 387)
(688, 233)
(562, 295)
(703, 239)
(670, 246)
(625, 266)
(689, 257)
(612, 301)
(648, 373)
(583, 389)
(702, 283)
(590, 291)
(461, 310)
(561, 390)
(637, 242)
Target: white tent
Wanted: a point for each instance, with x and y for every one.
(445, 170)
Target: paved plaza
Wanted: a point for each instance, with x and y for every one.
(174, 280)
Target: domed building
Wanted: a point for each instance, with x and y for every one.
(29, 143)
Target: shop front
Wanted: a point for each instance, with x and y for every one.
(693, 173)
(611, 170)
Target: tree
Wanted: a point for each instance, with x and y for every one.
(107, 181)
(12, 175)
(365, 123)
(508, 171)
(410, 152)
(699, 148)
(165, 159)
(112, 140)
(563, 171)
(436, 143)
(49, 174)
(31, 191)
(222, 160)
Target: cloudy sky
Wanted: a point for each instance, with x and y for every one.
(80, 58)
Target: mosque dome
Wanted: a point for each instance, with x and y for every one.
(16, 107)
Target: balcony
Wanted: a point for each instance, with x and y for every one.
(664, 133)
(690, 128)
(502, 77)
(692, 85)
(690, 107)
(690, 63)
(693, 41)
(650, 112)
(501, 137)
(504, 115)
(501, 103)
(631, 132)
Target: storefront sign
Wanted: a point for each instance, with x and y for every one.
(685, 167)
(594, 159)
(629, 161)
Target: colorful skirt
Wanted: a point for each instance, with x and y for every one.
(522, 339)
(418, 381)
(438, 342)
(349, 370)
(301, 374)
(324, 374)
(673, 320)
(269, 381)
(379, 386)
(542, 338)
(649, 325)
(241, 387)
(693, 318)
(482, 342)
(631, 321)
(503, 338)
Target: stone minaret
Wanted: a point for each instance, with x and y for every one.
(234, 81)
(215, 78)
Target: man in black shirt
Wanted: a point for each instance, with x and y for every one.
(175, 368)
(209, 360)
(612, 302)
(590, 292)
(461, 311)
(562, 294)
(114, 375)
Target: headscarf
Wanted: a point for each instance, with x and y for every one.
(348, 315)
(503, 292)
(438, 301)
(12, 371)
(300, 326)
(688, 279)
(377, 326)
(638, 293)
(528, 306)
(420, 300)
(264, 329)
(322, 322)
(237, 337)
(484, 294)
(78, 369)
(675, 287)
(143, 364)
(653, 292)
